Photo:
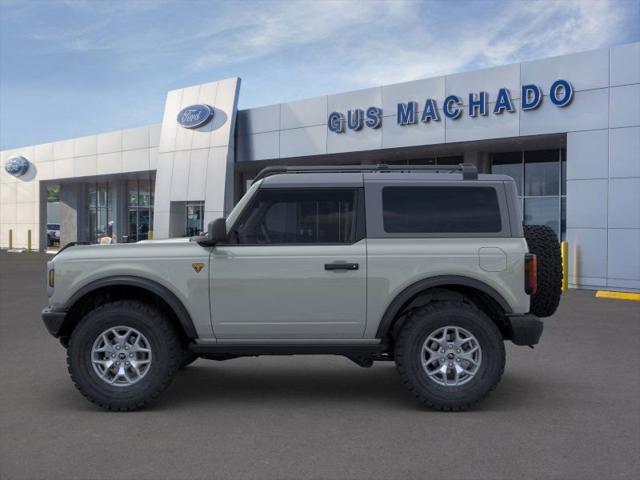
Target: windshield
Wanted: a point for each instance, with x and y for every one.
(233, 216)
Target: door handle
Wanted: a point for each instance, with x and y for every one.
(341, 266)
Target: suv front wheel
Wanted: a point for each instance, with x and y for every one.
(450, 355)
(123, 354)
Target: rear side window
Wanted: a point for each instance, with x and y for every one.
(293, 216)
(440, 210)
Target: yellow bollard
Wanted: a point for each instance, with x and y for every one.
(564, 252)
(29, 240)
(150, 235)
(10, 239)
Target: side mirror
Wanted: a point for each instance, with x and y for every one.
(217, 231)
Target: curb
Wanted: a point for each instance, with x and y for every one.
(635, 297)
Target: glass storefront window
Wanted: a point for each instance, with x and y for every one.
(140, 205)
(563, 172)
(542, 211)
(540, 177)
(453, 160)
(542, 173)
(510, 164)
(100, 212)
(194, 218)
(563, 218)
(145, 198)
(420, 161)
(132, 193)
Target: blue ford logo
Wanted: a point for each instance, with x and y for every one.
(17, 166)
(195, 116)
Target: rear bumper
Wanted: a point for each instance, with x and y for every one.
(525, 329)
(53, 320)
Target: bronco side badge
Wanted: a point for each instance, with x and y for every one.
(197, 266)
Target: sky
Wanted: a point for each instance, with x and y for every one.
(70, 68)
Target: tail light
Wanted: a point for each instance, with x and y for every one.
(530, 273)
(51, 278)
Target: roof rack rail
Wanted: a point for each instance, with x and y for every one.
(468, 170)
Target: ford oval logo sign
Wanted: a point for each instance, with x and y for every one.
(195, 116)
(17, 166)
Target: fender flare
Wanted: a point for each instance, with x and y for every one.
(414, 289)
(151, 286)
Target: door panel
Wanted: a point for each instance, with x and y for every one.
(285, 292)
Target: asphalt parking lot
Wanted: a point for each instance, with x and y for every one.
(570, 409)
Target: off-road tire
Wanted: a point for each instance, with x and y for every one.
(408, 355)
(165, 345)
(543, 242)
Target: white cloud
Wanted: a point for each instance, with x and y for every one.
(383, 41)
(285, 26)
(523, 31)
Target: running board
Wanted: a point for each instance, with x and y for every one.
(247, 349)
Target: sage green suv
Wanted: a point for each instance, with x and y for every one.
(428, 267)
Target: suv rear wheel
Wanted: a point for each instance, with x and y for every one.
(450, 355)
(123, 354)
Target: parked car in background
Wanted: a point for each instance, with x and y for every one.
(53, 234)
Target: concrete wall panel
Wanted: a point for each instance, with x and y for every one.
(259, 146)
(625, 64)
(587, 253)
(587, 204)
(85, 146)
(585, 71)
(624, 254)
(303, 141)
(624, 106)
(587, 111)
(587, 154)
(135, 138)
(624, 203)
(488, 80)
(259, 120)
(85, 166)
(624, 152)
(417, 90)
(468, 128)
(394, 135)
(304, 113)
(110, 142)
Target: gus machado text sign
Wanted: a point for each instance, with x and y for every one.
(560, 95)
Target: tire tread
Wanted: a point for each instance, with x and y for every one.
(421, 315)
(165, 329)
(543, 242)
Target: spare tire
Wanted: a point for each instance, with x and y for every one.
(543, 242)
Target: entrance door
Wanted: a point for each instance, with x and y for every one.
(295, 267)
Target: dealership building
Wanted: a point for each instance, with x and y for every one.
(567, 129)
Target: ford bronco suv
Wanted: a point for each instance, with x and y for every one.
(429, 267)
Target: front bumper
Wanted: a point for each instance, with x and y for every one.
(53, 320)
(525, 329)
